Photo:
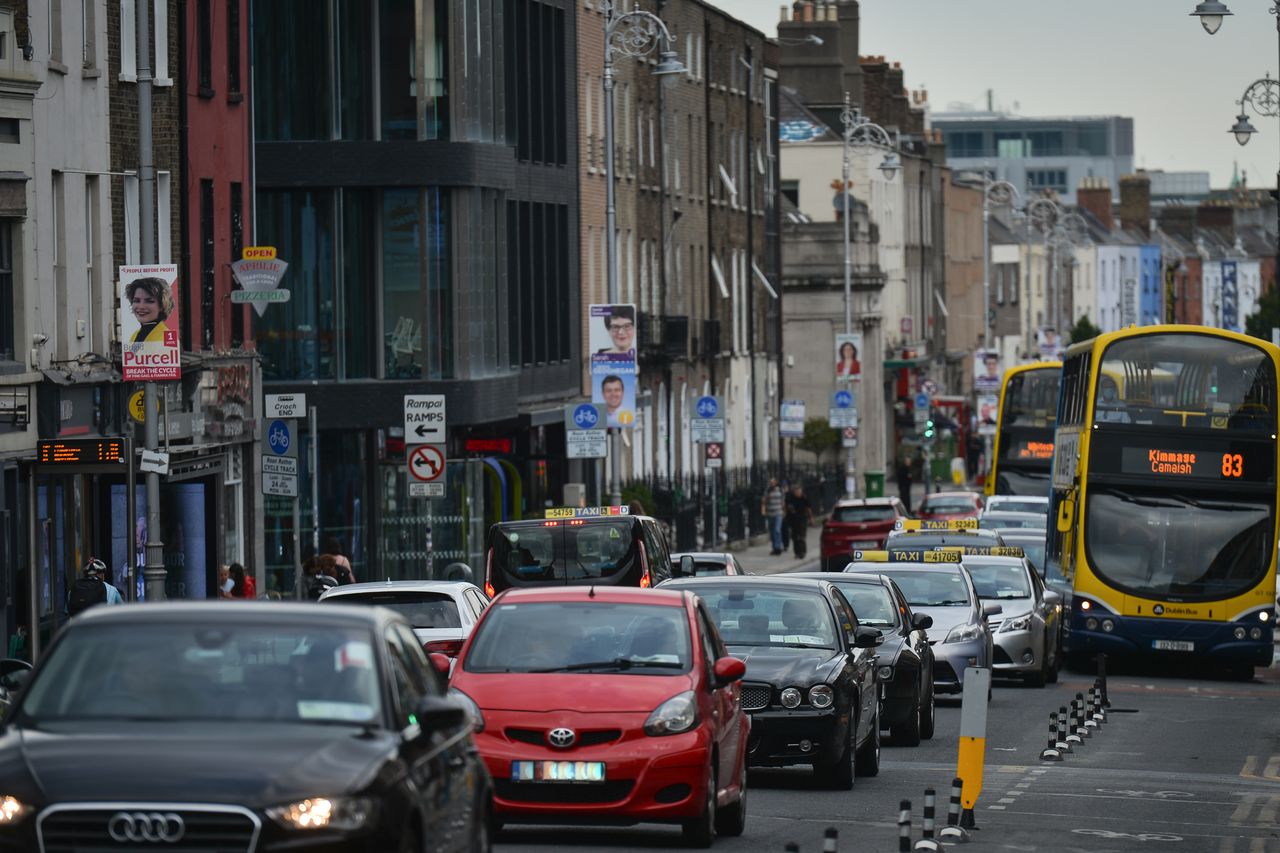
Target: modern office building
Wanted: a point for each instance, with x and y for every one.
(1039, 153)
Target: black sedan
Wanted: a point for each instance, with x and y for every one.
(240, 726)
(904, 666)
(810, 686)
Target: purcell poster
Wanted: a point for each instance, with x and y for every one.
(149, 323)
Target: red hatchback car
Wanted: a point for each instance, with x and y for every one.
(857, 525)
(607, 705)
(944, 505)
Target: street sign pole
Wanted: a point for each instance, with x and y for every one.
(313, 457)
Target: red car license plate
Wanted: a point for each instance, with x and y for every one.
(557, 771)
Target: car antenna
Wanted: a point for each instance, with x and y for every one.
(591, 591)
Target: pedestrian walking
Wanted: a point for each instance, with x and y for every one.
(903, 473)
(91, 588)
(244, 585)
(771, 509)
(799, 517)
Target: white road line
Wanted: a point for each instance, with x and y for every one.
(996, 808)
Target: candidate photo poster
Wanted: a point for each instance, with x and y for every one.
(1048, 344)
(988, 414)
(611, 342)
(849, 357)
(986, 371)
(617, 393)
(149, 323)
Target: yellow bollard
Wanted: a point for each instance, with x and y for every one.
(973, 738)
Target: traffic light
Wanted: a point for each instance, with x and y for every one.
(929, 429)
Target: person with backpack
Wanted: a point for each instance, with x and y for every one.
(92, 588)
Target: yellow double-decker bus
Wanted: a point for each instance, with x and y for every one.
(1022, 453)
(1163, 510)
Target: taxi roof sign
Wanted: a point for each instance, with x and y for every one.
(984, 550)
(936, 524)
(586, 511)
(905, 555)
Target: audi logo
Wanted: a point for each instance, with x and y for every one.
(148, 827)
(562, 738)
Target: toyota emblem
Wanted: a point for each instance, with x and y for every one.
(146, 827)
(562, 738)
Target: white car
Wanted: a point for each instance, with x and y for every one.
(442, 613)
(1016, 503)
(1027, 630)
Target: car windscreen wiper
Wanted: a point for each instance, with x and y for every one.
(616, 663)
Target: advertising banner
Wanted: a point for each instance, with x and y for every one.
(1230, 296)
(986, 371)
(988, 410)
(848, 357)
(149, 323)
(612, 344)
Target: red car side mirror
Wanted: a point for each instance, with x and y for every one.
(440, 663)
(728, 670)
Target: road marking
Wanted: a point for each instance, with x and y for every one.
(1006, 800)
(1259, 811)
(1270, 772)
(996, 808)
(1273, 768)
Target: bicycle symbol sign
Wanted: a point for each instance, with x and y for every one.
(278, 438)
(707, 407)
(843, 400)
(585, 416)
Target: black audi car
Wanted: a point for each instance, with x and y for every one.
(239, 727)
(904, 666)
(810, 686)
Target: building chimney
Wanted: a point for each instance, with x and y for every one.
(847, 15)
(1135, 203)
(1094, 195)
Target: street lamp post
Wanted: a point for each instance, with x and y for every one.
(1263, 95)
(632, 34)
(1003, 194)
(858, 130)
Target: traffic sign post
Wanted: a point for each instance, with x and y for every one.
(714, 454)
(280, 457)
(707, 424)
(849, 437)
(424, 419)
(585, 430)
(284, 406)
(427, 465)
(791, 422)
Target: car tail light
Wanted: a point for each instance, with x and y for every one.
(645, 580)
(444, 647)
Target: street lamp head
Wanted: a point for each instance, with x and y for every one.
(1242, 129)
(669, 64)
(1211, 13)
(890, 165)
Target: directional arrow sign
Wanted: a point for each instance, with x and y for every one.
(424, 419)
(427, 463)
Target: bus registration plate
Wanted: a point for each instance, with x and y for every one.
(1173, 645)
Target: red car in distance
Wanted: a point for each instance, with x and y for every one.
(605, 705)
(945, 505)
(857, 525)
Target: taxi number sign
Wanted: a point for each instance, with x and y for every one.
(586, 511)
(936, 524)
(903, 556)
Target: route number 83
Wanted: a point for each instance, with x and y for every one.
(1232, 465)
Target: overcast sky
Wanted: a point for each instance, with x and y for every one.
(1147, 59)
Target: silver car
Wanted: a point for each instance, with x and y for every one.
(960, 635)
(1026, 631)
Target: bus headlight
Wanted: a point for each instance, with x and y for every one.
(1255, 633)
(1091, 624)
(1108, 626)
(1239, 633)
(1264, 615)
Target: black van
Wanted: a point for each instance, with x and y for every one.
(592, 545)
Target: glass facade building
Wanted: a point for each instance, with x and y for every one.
(415, 170)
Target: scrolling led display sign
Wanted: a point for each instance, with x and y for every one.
(1175, 464)
(84, 455)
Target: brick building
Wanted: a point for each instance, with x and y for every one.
(695, 185)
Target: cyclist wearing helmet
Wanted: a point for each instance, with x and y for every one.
(92, 588)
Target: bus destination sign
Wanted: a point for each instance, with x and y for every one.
(1173, 464)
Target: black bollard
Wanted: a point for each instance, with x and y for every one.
(1069, 726)
(1102, 676)
(1098, 713)
(930, 802)
(1051, 752)
(1091, 709)
(829, 840)
(952, 831)
(904, 826)
(1080, 727)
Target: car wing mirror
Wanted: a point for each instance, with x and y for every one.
(439, 712)
(921, 621)
(867, 638)
(686, 568)
(728, 670)
(1052, 598)
(990, 608)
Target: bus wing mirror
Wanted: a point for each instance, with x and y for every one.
(1066, 514)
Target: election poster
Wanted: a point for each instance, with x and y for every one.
(149, 323)
(986, 370)
(611, 342)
